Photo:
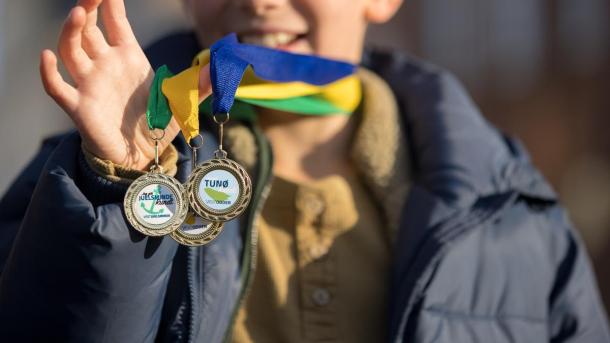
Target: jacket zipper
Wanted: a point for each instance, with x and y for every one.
(191, 285)
(190, 270)
(263, 187)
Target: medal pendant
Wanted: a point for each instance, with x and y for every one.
(219, 189)
(195, 231)
(155, 204)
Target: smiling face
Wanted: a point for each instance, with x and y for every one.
(328, 28)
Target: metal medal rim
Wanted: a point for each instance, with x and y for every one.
(212, 231)
(156, 230)
(243, 198)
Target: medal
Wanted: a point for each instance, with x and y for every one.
(195, 231)
(219, 189)
(155, 203)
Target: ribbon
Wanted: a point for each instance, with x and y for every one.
(265, 77)
(158, 114)
(229, 60)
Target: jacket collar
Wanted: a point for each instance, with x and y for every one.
(456, 155)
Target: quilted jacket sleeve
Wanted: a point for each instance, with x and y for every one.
(576, 310)
(76, 271)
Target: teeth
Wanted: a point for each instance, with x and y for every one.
(270, 40)
(284, 38)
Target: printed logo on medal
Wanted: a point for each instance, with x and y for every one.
(194, 225)
(219, 189)
(156, 204)
(196, 231)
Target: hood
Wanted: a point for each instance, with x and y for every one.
(455, 153)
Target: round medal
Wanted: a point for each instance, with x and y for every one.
(155, 204)
(195, 231)
(219, 189)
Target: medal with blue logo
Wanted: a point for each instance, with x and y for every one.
(155, 204)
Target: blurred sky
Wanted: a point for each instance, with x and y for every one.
(539, 69)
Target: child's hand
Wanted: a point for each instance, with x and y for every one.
(112, 78)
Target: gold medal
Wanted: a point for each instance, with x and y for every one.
(155, 203)
(196, 231)
(219, 189)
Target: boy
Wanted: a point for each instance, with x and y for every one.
(340, 243)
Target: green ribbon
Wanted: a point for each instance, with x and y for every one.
(245, 109)
(158, 114)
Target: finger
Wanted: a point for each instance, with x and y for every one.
(94, 42)
(89, 5)
(70, 43)
(64, 94)
(115, 21)
(205, 83)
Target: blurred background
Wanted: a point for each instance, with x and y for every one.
(539, 70)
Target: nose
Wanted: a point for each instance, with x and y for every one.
(260, 7)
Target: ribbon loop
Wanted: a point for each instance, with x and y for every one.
(229, 60)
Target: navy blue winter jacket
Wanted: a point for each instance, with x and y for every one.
(485, 253)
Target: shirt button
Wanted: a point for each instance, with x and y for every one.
(321, 297)
(317, 252)
(313, 204)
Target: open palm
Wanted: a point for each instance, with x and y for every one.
(111, 80)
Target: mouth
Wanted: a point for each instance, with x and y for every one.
(280, 40)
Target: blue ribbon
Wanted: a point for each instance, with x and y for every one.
(229, 60)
